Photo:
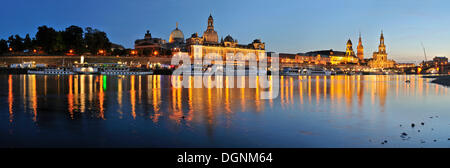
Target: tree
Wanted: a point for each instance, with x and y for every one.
(28, 43)
(46, 38)
(96, 40)
(59, 47)
(16, 43)
(73, 39)
(3, 46)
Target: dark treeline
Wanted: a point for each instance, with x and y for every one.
(47, 41)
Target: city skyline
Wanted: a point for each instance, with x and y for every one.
(287, 26)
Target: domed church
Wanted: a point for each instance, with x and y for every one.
(176, 36)
(208, 43)
(210, 35)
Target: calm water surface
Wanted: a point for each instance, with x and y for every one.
(146, 111)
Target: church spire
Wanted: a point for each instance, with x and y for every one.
(360, 49)
(360, 41)
(210, 22)
(382, 47)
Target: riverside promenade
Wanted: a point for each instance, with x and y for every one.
(60, 60)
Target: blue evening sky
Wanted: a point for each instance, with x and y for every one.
(285, 25)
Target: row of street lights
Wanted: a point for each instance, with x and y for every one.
(100, 52)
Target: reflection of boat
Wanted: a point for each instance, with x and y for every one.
(85, 70)
(292, 72)
(355, 73)
(122, 71)
(52, 71)
(305, 71)
(319, 71)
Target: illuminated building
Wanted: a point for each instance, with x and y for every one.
(285, 58)
(210, 35)
(349, 50)
(348, 58)
(406, 65)
(360, 50)
(208, 43)
(440, 60)
(315, 57)
(379, 59)
(200, 46)
(148, 45)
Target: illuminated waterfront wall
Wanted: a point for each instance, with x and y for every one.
(59, 60)
(200, 51)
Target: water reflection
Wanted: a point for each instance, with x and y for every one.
(10, 98)
(93, 93)
(153, 98)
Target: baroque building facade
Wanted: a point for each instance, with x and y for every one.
(197, 46)
(348, 58)
(379, 59)
(149, 45)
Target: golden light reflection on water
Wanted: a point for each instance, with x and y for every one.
(33, 95)
(70, 97)
(153, 96)
(10, 98)
(156, 92)
(133, 97)
(177, 111)
(101, 99)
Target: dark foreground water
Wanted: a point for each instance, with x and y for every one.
(145, 111)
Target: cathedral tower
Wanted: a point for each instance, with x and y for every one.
(380, 58)
(382, 47)
(381, 55)
(360, 49)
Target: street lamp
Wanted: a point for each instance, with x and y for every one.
(133, 52)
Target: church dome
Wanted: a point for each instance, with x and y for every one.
(211, 36)
(229, 39)
(176, 36)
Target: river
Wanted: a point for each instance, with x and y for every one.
(147, 111)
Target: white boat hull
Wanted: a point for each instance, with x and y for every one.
(127, 73)
(50, 72)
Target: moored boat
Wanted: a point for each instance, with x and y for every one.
(123, 71)
(51, 71)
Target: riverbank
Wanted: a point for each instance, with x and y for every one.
(442, 80)
(67, 60)
(22, 71)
